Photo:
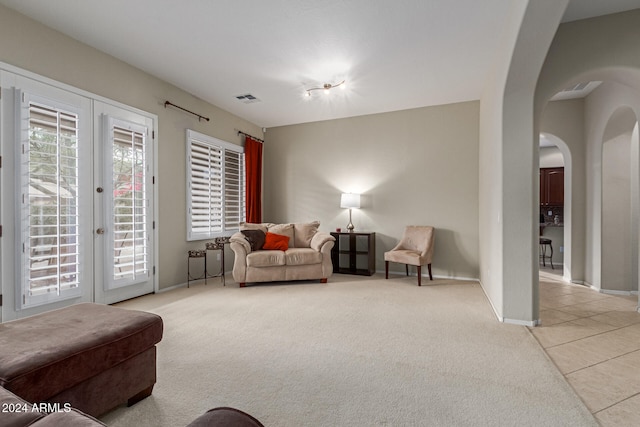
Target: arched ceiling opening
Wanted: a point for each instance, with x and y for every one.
(622, 121)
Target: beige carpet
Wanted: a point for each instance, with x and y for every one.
(354, 352)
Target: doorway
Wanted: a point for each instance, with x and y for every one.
(555, 218)
(77, 199)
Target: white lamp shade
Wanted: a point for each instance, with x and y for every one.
(350, 200)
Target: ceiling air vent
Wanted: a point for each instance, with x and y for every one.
(247, 98)
(578, 87)
(579, 90)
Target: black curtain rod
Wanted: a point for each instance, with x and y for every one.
(252, 137)
(184, 109)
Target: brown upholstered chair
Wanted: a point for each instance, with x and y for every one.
(415, 248)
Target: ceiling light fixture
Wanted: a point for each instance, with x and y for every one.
(326, 87)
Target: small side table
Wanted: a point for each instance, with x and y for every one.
(216, 245)
(354, 253)
(196, 254)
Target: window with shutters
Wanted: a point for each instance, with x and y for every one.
(50, 201)
(216, 191)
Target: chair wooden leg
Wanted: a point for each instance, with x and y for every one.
(386, 269)
(430, 275)
(419, 275)
(407, 268)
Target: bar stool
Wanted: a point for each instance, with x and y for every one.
(544, 242)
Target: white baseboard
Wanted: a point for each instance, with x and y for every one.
(580, 282)
(185, 284)
(531, 323)
(170, 288)
(614, 292)
(435, 276)
(498, 316)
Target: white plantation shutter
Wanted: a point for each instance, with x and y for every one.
(206, 189)
(234, 190)
(128, 210)
(50, 214)
(215, 187)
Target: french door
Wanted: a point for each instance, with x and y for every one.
(80, 193)
(123, 195)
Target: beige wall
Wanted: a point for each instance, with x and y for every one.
(29, 45)
(413, 167)
(610, 112)
(490, 180)
(508, 130)
(616, 212)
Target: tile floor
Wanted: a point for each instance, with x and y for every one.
(594, 340)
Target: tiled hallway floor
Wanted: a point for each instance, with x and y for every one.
(594, 339)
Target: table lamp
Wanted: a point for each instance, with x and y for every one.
(350, 201)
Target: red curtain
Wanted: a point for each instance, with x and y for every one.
(253, 175)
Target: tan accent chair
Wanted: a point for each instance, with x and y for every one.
(415, 248)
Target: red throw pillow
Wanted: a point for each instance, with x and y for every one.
(276, 242)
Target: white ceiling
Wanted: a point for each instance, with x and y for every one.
(393, 54)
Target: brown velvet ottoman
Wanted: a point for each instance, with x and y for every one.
(92, 356)
(225, 417)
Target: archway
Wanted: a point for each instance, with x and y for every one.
(606, 231)
(566, 246)
(581, 52)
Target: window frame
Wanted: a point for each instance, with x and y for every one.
(225, 227)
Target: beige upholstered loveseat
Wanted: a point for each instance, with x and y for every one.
(305, 256)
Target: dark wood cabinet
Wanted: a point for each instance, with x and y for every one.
(551, 186)
(354, 253)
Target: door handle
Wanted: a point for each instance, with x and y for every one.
(100, 230)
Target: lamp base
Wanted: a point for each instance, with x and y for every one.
(350, 226)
